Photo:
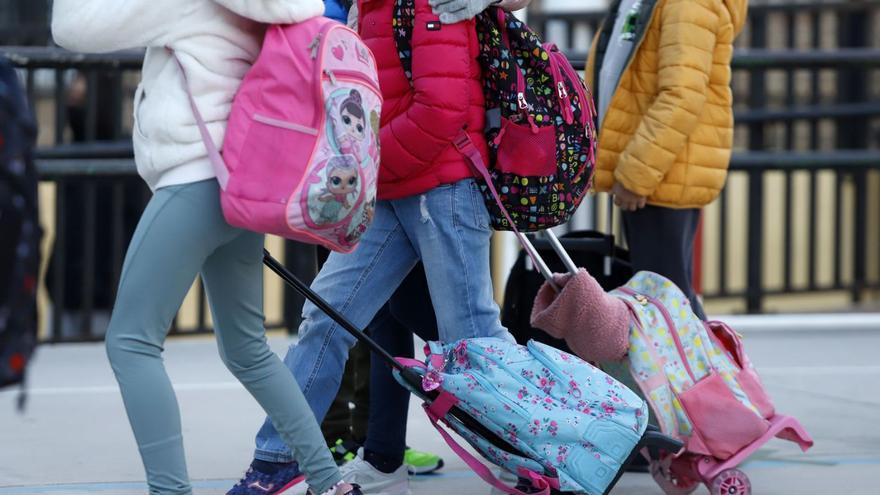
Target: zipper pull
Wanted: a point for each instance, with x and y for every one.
(521, 100)
(565, 101)
(331, 76)
(316, 43)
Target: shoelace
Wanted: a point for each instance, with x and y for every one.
(243, 478)
(332, 489)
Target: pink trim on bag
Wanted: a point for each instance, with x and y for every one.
(220, 170)
(441, 405)
(290, 126)
(673, 329)
(466, 147)
(645, 385)
(481, 470)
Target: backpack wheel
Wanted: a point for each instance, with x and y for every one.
(669, 482)
(731, 482)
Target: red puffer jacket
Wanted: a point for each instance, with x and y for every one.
(420, 121)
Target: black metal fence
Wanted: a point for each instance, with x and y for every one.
(807, 109)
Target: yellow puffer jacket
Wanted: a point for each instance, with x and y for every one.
(668, 130)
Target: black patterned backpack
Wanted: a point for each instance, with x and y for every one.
(540, 122)
(19, 231)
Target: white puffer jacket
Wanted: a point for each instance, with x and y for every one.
(216, 41)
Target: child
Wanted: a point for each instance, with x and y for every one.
(660, 71)
(429, 209)
(182, 231)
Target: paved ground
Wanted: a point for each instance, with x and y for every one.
(74, 438)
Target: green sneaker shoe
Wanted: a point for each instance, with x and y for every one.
(421, 462)
(344, 451)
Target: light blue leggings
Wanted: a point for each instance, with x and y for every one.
(182, 233)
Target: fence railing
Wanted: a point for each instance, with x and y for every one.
(801, 209)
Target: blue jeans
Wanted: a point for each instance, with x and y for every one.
(448, 229)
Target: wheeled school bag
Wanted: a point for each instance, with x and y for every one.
(540, 126)
(301, 151)
(538, 412)
(702, 387)
(20, 231)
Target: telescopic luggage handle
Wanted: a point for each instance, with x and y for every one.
(279, 269)
(570, 265)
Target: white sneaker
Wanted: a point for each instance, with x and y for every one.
(371, 480)
(507, 478)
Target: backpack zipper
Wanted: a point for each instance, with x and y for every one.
(489, 387)
(587, 108)
(315, 45)
(561, 92)
(350, 75)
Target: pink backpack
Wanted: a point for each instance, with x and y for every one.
(696, 375)
(301, 150)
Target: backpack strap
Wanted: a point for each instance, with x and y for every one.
(466, 147)
(404, 19)
(220, 170)
(445, 401)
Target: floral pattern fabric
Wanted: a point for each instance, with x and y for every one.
(573, 421)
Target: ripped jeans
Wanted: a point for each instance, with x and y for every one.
(448, 229)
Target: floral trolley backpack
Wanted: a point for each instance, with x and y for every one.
(540, 126)
(301, 151)
(575, 427)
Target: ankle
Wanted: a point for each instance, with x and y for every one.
(382, 462)
(269, 467)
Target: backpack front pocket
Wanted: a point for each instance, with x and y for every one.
(524, 152)
(724, 423)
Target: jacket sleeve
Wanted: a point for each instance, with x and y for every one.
(275, 11)
(442, 61)
(687, 44)
(99, 26)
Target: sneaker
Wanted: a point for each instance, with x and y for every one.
(418, 462)
(372, 481)
(344, 451)
(507, 478)
(258, 483)
(342, 488)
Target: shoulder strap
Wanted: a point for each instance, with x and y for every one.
(404, 20)
(466, 147)
(220, 169)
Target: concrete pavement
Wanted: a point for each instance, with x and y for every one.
(74, 437)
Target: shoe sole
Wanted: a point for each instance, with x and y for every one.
(290, 484)
(420, 470)
(401, 488)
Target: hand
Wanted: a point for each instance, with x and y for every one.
(627, 200)
(513, 5)
(452, 11)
